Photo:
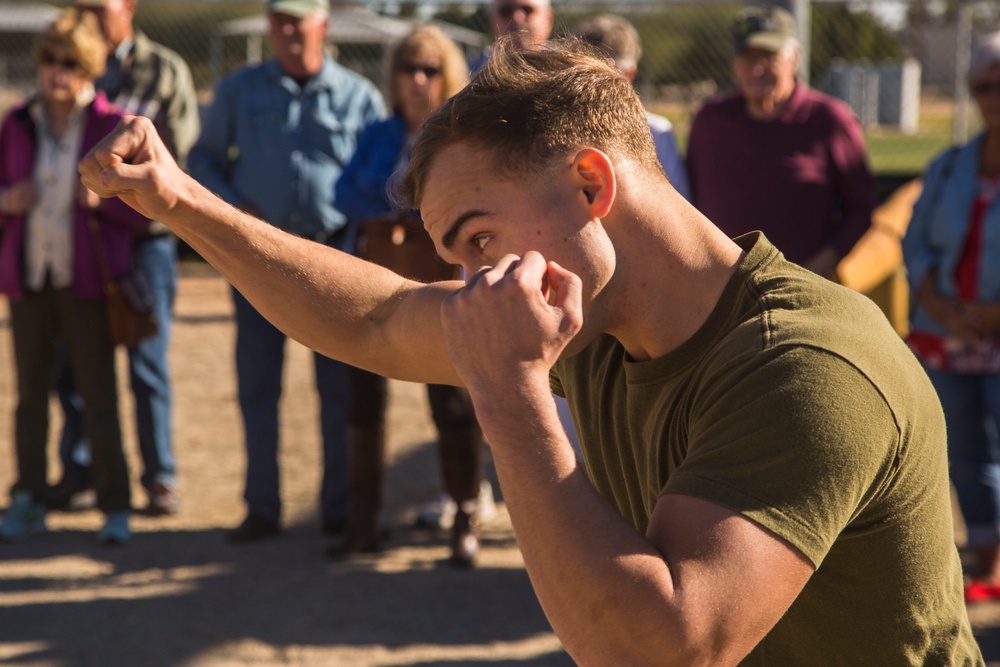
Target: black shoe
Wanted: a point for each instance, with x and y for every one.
(334, 528)
(253, 529)
(70, 494)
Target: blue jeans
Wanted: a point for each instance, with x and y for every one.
(155, 257)
(971, 405)
(260, 356)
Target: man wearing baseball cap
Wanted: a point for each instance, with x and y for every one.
(778, 157)
(274, 142)
(145, 79)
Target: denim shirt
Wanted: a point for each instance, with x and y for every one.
(938, 229)
(280, 147)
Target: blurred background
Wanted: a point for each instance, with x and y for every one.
(894, 62)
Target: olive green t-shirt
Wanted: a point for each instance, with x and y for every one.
(798, 406)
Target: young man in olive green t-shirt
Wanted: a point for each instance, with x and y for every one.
(787, 412)
(765, 461)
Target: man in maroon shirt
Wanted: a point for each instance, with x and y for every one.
(776, 156)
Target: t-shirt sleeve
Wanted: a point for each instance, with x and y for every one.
(555, 383)
(797, 444)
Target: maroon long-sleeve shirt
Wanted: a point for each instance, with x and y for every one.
(801, 178)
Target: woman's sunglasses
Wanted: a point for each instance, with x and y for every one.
(67, 62)
(410, 69)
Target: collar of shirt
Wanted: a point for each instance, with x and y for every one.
(791, 108)
(326, 79)
(123, 49)
(83, 100)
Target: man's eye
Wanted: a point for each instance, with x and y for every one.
(481, 241)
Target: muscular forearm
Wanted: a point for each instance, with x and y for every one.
(606, 590)
(334, 303)
(327, 300)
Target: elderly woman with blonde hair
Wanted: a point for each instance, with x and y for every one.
(426, 68)
(50, 270)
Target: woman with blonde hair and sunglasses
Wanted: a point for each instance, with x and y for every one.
(426, 68)
(50, 270)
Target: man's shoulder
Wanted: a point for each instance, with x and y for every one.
(821, 105)
(723, 104)
(726, 110)
(341, 77)
(246, 76)
(147, 50)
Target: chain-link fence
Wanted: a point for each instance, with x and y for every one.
(899, 64)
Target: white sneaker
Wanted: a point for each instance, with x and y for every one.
(438, 513)
(487, 505)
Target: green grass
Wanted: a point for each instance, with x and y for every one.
(898, 153)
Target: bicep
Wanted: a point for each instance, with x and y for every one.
(409, 325)
(734, 578)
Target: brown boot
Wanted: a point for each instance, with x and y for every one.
(461, 466)
(366, 462)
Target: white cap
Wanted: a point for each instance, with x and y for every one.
(985, 56)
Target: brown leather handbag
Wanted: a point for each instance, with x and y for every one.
(131, 319)
(400, 243)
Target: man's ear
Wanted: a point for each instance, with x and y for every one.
(594, 174)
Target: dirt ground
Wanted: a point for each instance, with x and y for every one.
(180, 596)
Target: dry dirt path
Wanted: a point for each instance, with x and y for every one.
(180, 596)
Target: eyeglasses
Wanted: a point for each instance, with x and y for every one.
(409, 69)
(986, 88)
(508, 11)
(67, 62)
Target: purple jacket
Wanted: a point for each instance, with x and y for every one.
(801, 178)
(117, 220)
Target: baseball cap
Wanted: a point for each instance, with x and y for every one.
(768, 28)
(299, 8)
(985, 56)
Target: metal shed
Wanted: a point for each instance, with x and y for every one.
(352, 25)
(21, 23)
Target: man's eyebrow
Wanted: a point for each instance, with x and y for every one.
(448, 240)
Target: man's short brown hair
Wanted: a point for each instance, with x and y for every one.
(526, 110)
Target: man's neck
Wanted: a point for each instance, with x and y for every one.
(673, 267)
(301, 73)
(771, 106)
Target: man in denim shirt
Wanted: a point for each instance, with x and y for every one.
(274, 143)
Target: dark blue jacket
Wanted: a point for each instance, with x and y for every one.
(362, 189)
